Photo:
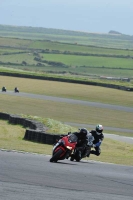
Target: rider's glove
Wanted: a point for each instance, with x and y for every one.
(98, 144)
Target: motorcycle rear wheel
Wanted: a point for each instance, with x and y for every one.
(56, 156)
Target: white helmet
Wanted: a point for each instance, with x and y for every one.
(99, 129)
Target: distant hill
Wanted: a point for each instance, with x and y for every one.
(115, 32)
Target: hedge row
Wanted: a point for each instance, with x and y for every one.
(67, 80)
(36, 131)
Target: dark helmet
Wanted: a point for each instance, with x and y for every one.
(83, 131)
(99, 129)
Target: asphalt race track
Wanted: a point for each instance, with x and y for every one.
(25, 176)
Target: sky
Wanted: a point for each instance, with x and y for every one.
(97, 16)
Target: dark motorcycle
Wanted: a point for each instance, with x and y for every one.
(3, 89)
(16, 89)
(64, 148)
(82, 151)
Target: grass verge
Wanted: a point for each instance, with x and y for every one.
(66, 112)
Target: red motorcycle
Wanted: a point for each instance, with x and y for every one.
(64, 148)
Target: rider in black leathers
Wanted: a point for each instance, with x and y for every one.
(82, 141)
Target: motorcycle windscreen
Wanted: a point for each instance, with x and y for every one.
(72, 138)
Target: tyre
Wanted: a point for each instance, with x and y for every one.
(56, 156)
(78, 156)
(72, 158)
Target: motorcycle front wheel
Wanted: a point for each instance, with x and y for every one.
(56, 156)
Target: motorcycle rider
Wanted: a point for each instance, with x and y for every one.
(82, 136)
(98, 138)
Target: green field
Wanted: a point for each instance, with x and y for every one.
(72, 60)
(66, 52)
(60, 58)
(68, 47)
(18, 58)
(104, 40)
(90, 61)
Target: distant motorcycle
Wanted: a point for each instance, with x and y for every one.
(82, 152)
(64, 147)
(3, 89)
(16, 89)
